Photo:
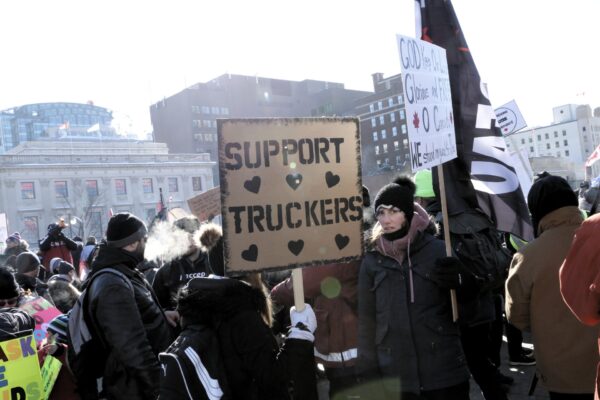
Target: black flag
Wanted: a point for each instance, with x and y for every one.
(482, 176)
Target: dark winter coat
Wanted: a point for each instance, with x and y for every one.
(173, 275)
(13, 321)
(131, 324)
(408, 346)
(191, 368)
(56, 245)
(255, 367)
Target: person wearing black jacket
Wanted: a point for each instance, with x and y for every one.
(227, 335)
(176, 273)
(127, 318)
(55, 244)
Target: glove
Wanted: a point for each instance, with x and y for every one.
(304, 323)
(448, 273)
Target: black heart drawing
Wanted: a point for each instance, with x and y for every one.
(253, 185)
(341, 241)
(296, 246)
(332, 179)
(294, 180)
(251, 254)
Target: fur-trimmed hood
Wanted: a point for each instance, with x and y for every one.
(210, 234)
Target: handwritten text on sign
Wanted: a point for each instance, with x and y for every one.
(428, 103)
(290, 192)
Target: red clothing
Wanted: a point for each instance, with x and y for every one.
(57, 249)
(332, 289)
(580, 277)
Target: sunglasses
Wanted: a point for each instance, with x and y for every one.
(9, 302)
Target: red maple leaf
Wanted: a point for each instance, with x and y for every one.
(416, 120)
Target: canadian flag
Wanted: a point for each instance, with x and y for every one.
(595, 156)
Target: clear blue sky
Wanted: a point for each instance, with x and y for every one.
(126, 55)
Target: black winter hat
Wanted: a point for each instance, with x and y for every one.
(547, 194)
(8, 284)
(63, 268)
(399, 196)
(27, 262)
(124, 229)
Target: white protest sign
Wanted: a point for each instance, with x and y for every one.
(509, 118)
(428, 103)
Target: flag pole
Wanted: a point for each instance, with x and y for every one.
(447, 241)
(298, 286)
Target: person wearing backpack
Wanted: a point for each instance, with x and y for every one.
(124, 313)
(565, 350)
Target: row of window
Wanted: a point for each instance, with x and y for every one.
(390, 103)
(400, 159)
(532, 152)
(392, 118)
(204, 123)
(376, 134)
(205, 137)
(210, 110)
(384, 147)
(61, 188)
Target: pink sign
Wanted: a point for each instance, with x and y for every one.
(43, 312)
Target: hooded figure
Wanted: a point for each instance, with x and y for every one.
(407, 342)
(226, 327)
(565, 350)
(28, 269)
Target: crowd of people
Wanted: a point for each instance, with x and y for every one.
(383, 327)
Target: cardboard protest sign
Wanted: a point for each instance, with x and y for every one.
(20, 369)
(291, 192)
(43, 312)
(206, 205)
(428, 103)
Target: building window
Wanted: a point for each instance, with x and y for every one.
(555, 134)
(373, 122)
(225, 110)
(386, 161)
(531, 150)
(539, 137)
(215, 110)
(566, 153)
(27, 191)
(377, 151)
(566, 142)
(383, 134)
(390, 101)
(394, 131)
(385, 147)
(522, 141)
(399, 159)
(396, 145)
(402, 114)
(547, 146)
(120, 187)
(372, 107)
(91, 187)
(60, 190)
(205, 110)
(380, 105)
(196, 183)
(530, 140)
(400, 99)
(547, 136)
(393, 117)
(30, 231)
(173, 186)
(405, 143)
(95, 224)
(583, 129)
(585, 138)
(147, 186)
(556, 144)
(381, 120)
(564, 133)
(403, 127)
(378, 163)
(375, 137)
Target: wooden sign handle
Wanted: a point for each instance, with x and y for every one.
(447, 241)
(298, 286)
